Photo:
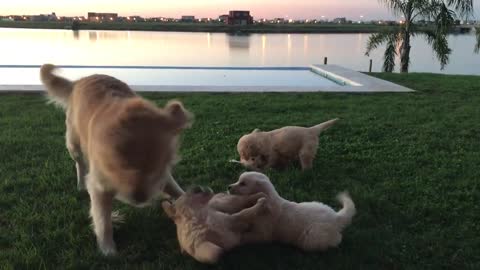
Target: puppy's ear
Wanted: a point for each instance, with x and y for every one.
(181, 118)
(169, 209)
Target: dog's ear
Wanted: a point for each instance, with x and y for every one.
(169, 209)
(256, 130)
(181, 118)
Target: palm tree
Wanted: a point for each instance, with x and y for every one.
(442, 12)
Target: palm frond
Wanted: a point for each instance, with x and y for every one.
(424, 8)
(477, 34)
(397, 7)
(376, 40)
(390, 54)
(439, 44)
(464, 7)
(444, 18)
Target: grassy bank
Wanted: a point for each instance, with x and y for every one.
(410, 162)
(205, 27)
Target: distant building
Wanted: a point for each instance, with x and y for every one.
(135, 18)
(341, 20)
(239, 17)
(279, 20)
(223, 18)
(102, 17)
(188, 18)
(8, 18)
(44, 17)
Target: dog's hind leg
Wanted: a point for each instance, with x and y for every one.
(101, 212)
(73, 146)
(307, 155)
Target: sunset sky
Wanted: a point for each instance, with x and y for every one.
(295, 9)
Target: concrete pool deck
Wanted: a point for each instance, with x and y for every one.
(316, 78)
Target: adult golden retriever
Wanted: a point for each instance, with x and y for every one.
(123, 145)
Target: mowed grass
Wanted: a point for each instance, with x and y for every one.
(410, 161)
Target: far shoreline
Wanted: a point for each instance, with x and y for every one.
(207, 27)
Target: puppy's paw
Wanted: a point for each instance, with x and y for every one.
(255, 197)
(263, 205)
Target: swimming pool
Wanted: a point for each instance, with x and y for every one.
(196, 79)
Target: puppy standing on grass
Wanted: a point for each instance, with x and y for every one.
(311, 226)
(277, 148)
(124, 146)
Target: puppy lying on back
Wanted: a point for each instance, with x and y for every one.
(311, 226)
(124, 146)
(210, 224)
(277, 148)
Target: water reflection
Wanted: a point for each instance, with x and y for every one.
(241, 42)
(92, 36)
(217, 49)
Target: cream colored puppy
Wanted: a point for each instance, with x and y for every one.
(310, 226)
(124, 146)
(210, 224)
(260, 150)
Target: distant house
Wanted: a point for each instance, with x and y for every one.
(44, 17)
(135, 18)
(101, 17)
(341, 20)
(239, 17)
(223, 18)
(6, 18)
(188, 18)
(279, 20)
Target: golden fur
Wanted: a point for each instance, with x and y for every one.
(260, 150)
(311, 226)
(123, 146)
(210, 224)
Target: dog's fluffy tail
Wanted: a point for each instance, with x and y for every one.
(58, 88)
(345, 215)
(324, 126)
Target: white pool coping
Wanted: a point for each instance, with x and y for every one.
(349, 81)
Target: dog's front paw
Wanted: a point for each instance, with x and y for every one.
(263, 205)
(107, 248)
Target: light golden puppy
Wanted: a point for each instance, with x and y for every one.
(124, 146)
(210, 224)
(260, 150)
(311, 226)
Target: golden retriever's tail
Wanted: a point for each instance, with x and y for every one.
(324, 126)
(345, 215)
(58, 88)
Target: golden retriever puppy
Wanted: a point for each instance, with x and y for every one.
(210, 224)
(124, 146)
(260, 150)
(311, 226)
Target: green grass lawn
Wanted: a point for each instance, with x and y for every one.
(410, 161)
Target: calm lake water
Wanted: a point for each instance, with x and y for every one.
(66, 47)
